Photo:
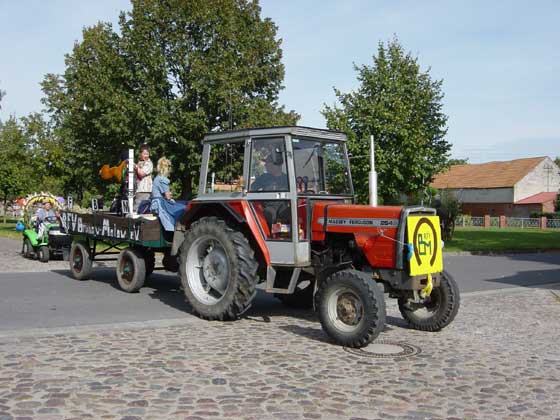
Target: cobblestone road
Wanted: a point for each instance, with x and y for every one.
(500, 359)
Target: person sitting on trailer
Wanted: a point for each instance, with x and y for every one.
(167, 209)
(143, 169)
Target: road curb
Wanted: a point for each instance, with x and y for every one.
(497, 253)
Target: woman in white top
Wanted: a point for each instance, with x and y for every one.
(144, 170)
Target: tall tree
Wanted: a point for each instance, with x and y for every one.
(2, 94)
(16, 171)
(178, 70)
(401, 106)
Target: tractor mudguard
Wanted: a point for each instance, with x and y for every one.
(31, 235)
(239, 211)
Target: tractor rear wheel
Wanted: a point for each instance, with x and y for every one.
(80, 260)
(218, 270)
(131, 270)
(437, 311)
(43, 253)
(27, 249)
(351, 308)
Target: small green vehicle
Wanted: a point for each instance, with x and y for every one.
(52, 242)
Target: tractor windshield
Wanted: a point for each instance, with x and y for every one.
(321, 167)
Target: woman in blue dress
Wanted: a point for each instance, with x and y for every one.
(168, 210)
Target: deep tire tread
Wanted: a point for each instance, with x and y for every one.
(443, 317)
(375, 300)
(246, 264)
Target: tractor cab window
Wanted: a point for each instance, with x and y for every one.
(225, 168)
(268, 172)
(321, 167)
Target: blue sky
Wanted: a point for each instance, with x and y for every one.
(499, 60)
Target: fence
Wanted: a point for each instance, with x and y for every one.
(510, 222)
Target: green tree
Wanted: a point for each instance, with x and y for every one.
(16, 173)
(46, 154)
(401, 106)
(2, 94)
(178, 70)
(464, 161)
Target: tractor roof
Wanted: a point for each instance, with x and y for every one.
(274, 131)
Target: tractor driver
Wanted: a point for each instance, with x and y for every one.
(43, 214)
(273, 179)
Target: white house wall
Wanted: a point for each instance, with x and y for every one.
(539, 180)
(483, 195)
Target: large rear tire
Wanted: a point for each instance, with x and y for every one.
(80, 260)
(351, 308)
(437, 311)
(131, 270)
(218, 270)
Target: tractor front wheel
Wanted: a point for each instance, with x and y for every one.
(131, 270)
(436, 311)
(80, 260)
(218, 270)
(351, 308)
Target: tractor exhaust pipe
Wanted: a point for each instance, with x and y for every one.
(372, 174)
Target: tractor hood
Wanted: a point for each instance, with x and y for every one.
(352, 218)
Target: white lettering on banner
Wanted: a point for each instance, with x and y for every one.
(339, 221)
(73, 223)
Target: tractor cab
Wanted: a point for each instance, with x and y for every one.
(280, 172)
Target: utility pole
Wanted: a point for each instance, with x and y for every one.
(372, 174)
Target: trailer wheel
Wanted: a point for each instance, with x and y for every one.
(43, 254)
(218, 270)
(80, 260)
(27, 249)
(438, 310)
(351, 308)
(131, 270)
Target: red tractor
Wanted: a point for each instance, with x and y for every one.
(276, 206)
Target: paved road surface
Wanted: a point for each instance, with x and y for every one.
(485, 272)
(497, 360)
(54, 299)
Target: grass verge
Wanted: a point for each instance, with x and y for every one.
(8, 230)
(502, 240)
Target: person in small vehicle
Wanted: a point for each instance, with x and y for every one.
(44, 214)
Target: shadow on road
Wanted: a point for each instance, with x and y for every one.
(535, 278)
(540, 257)
(167, 289)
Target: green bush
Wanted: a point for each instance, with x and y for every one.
(555, 215)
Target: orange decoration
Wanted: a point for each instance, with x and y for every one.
(107, 172)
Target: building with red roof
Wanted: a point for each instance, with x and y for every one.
(512, 188)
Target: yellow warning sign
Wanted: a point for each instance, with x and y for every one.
(425, 236)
